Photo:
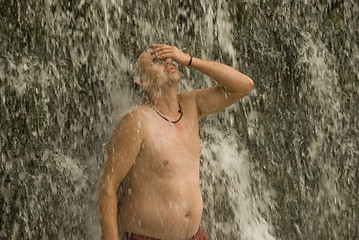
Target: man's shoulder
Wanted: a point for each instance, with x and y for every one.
(189, 99)
(137, 112)
(135, 117)
(133, 123)
(189, 96)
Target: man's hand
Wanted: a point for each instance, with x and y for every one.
(165, 51)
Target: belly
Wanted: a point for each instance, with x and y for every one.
(164, 209)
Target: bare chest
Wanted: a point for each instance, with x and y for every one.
(170, 149)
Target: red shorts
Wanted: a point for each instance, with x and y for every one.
(130, 236)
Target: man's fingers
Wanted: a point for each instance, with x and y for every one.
(159, 45)
(165, 55)
(161, 52)
(165, 51)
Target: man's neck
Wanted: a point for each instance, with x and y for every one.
(165, 102)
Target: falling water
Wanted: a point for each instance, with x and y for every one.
(280, 164)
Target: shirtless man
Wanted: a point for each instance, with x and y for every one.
(155, 149)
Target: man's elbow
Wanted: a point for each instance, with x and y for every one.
(248, 86)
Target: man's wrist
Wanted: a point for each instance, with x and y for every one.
(190, 61)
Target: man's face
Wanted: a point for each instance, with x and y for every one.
(156, 72)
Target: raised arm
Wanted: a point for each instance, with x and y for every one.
(232, 85)
(124, 146)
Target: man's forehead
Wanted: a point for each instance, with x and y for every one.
(146, 52)
(145, 55)
(140, 51)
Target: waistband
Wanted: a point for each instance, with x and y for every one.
(131, 236)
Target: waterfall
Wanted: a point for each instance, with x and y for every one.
(282, 163)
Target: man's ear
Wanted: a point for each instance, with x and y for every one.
(141, 81)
